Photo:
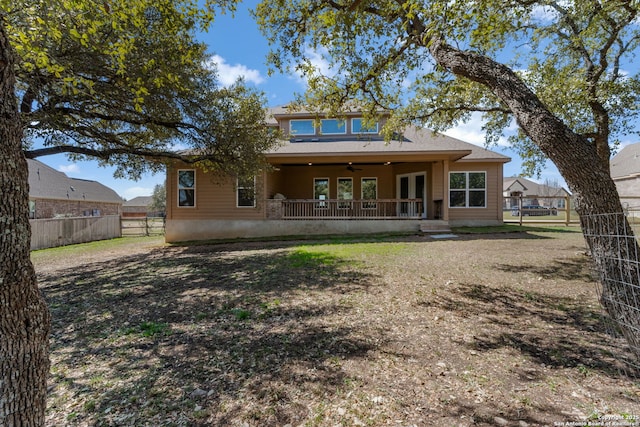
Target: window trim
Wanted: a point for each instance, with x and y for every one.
(186, 188)
(238, 188)
(468, 190)
(321, 204)
(344, 127)
(365, 132)
(292, 133)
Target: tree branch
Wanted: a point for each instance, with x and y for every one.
(106, 154)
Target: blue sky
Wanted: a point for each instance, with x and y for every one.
(240, 50)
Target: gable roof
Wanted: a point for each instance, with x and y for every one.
(48, 183)
(531, 188)
(416, 144)
(140, 201)
(626, 164)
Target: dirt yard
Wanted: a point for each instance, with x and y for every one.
(478, 330)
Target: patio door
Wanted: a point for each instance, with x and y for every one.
(412, 186)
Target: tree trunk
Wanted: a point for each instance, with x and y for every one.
(610, 238)
(24, 317)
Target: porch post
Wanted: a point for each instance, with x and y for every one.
(445, 196)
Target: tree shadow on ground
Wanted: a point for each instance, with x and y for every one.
(526, 233)
(175, 336)
(576, 268)
(551, 330)
(553, 333)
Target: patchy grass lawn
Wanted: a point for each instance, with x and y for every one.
(492, 329)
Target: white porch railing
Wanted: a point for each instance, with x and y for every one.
(344, 209)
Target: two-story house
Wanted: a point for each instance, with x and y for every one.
(338, 176)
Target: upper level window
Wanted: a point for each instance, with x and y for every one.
(358, 126)
(187, 187)
(302, 127)
(467, 189)
(246, 196)
(332, 126)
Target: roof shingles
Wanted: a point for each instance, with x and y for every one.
(48, 183)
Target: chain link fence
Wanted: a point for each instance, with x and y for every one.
(613, 241)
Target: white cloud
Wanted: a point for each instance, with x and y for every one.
(319, 62)
(133, 192)
(472, 132)
(72, 168)
(228, 74)
(321, 66)
(544, 13)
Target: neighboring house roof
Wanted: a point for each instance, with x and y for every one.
(415, 142)
(48, 183)
(139, 202)
(626, 164)
(531, 188)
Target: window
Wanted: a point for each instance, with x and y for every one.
(246, 194)
(369, 191)
(186, 188)
(332, 126)
(302, 127)
(467, 189)
(358, 126)
(345, 192)
(321, 190)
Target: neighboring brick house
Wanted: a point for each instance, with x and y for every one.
(137, 207)
(625, 171)
(52, 194)
(140, 207)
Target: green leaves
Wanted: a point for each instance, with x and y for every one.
(125, 81)
(575, 56)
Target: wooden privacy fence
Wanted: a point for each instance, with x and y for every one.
(146, 226)
(52, 232)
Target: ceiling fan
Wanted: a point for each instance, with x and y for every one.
(352, 169)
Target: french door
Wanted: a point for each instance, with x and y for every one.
(412, 186)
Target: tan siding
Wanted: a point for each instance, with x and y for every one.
(629, 190)
(437, 181)
(493, 211)
(296, 182)
(215, 198)
(274, 180)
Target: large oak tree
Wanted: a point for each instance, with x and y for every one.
(121, 81)
(561, 69)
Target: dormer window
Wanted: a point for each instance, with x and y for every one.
(333, 127)
(302, 127)
(358, 126)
